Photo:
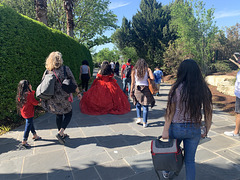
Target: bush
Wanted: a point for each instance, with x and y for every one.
(222, 66)
(25, 44)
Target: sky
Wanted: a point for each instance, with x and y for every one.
(227, 13)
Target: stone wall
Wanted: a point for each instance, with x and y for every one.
(225, 84)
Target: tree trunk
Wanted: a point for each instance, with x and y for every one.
(41, 10)
(68, 6)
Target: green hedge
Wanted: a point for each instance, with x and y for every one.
(24, 46)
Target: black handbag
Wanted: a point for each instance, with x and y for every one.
(67, 85)
(166, 155)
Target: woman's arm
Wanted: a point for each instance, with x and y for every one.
(132, 83)
(89, 72)
(151, 76)
(168, 121)
(80, 74)
(207, 119)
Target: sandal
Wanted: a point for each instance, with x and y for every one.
(36, 138)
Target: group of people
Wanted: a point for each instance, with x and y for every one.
(183, 118)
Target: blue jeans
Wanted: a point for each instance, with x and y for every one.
(145, 112)
(126, 82)
(28, 127)
(190, 134)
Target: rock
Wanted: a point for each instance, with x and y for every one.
(225, 84)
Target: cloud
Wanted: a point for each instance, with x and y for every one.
(116, 5)
(224, 14)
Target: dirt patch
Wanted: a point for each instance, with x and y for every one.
(222, 101)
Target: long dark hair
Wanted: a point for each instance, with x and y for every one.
(194, 92)
(106, 69)
(22, 90)
(142, 67)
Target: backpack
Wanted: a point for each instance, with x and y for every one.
(127, 71)
(45, 89)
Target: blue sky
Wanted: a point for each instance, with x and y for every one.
(227, 12)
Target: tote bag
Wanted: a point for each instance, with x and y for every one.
(45, 89)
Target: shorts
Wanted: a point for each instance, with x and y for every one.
(237, 105)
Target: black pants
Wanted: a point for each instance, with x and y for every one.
(62, 123)
(85, 78)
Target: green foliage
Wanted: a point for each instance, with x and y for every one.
(106, 54)
(91, 18)
(149, 32)
(25, 44)
(222, 66)
(26, 7)
(195, 29)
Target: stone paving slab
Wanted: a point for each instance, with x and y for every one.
(111, 147)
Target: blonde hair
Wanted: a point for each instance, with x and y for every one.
(54, 61)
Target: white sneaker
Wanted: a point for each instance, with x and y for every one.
(230, 133)
(145, 125)
(138, 121)
(165, 174)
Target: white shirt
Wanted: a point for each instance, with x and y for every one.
(237, 85)
(141, 82)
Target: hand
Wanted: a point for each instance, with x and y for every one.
(165, 135)
(131, 95)
(79, 96)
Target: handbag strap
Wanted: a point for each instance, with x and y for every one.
(56, 76)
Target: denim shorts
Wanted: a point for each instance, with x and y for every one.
(237, 105)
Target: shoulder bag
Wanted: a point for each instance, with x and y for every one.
(152, 86)
(45, 89)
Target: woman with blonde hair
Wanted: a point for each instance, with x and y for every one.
(59, 103)
(140, 93)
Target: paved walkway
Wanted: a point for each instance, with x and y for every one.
(110, 147)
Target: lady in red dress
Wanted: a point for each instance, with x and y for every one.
(105, 96)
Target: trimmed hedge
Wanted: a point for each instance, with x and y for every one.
(24, 46)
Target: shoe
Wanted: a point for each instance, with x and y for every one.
(65, 136)
(230, 133)
(138, 121)
(60, 139)
(36, 138)
(26, 145)
(165, 174)
(145, 125)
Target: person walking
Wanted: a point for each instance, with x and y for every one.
(158, 76)
(59, 103)
(85, 74)
(116, 69)
(139, 92)
(235, 132)
(25, 106)
(126, 76)
(105, 96)
(183, 116)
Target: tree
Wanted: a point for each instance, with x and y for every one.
(41, 11)
(149, 32)
(68, 6)
(107, 54)
(91, 18)
(26, 7)
(196, 30)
